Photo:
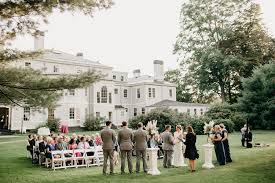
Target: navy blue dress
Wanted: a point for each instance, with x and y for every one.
(226, 147)
(191, 150)
(219, 150)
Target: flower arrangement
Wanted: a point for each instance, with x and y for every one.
(207, 129)
(151, 127)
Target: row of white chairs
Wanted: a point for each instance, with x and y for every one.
(73, 158)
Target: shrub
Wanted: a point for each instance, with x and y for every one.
(53, 124)
(93, 123)
(196, 123)
(238, 120)
(229, 125)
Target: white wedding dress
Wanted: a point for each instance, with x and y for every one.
(178, 159)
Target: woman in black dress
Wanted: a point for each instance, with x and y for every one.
(225, 143)
(219, 148)
(191, 151)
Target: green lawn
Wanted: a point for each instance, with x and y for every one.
(250, 165)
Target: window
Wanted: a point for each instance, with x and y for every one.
(55, 68)
(71, 92)
(122, 78)
(86, 113)
(150, 92)
(170, 93)
(138, 93)
(98, 97)
(71, 115)
(27, 113)
(143, 110)
(125, 93)
(110, 98)
(50, 114)
(27, 64)
(201, 111)
(104, 94)
(188, 112)
(135, 111)
(86, 91)
(122, 113)
(154, 92)
(97, 114)
(195, 112)
(116, 91)
(110, 116)
(114, 76)
(126, 109)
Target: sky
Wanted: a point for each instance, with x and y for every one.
(130, 35)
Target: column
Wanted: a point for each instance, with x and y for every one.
(153, 161)
(208, 148)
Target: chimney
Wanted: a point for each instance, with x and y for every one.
(80, 55)
(39, 41)
(158, 70)
(136, 73)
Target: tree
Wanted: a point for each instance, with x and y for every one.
(258, 97)
(26, 86)
(182, 90)
(218, 41)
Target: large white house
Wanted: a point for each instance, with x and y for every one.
(116, 97)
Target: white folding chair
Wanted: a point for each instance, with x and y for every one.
(99, 155)
(79, 156)
(68, 156)
(57, 160)
(90, 159)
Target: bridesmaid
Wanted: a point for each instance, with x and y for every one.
(225, 143)
(219, 148)
(191, 151)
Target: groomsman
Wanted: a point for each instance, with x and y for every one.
(168, 146)
(140, 140)
(125, 141)
(109, 139)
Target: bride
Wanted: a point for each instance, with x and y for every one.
(178, 160)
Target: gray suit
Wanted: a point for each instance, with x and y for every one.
(168, 148)
(140, 140)
(125, 138)
(109, 139)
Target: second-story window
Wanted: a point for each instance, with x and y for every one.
(27, 114)
(195, 112)
(170, 93)
(154, 92)
(125, 93)
(98, 97)
(116, 91)
(104, 94)
(55, 69)
(72, 92)
(110, 98)
(138, 93)
(71, 113)
(150, 92)
(114, 76)
(122, 78)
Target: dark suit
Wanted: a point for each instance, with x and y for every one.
(168, 148)
(140, 140)
(109, 139)
(125, 138)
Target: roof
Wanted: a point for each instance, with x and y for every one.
(169, 103)
(69, 58)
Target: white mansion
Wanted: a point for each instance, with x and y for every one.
(116, 97)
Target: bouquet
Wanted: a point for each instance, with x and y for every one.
(208, 128)
(151, 127)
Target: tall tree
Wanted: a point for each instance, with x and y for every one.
(26, 86)
(217, 43)
(258, 97)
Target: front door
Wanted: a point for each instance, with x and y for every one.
(4, 118)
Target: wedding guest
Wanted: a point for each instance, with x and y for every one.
(191, 151)
(42, 145)
(98, 140)
(219, 148)
(90, 141)
(140, 141)
(248, 138)
(168, 147)
(178, 160)
(224, 135)
(243, 130)
(61, 145)
(109, 139)
(49, 148)
(125, 141)
(83, 144)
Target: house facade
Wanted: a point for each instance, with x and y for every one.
(116, 97)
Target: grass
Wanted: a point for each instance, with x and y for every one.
(250, 165)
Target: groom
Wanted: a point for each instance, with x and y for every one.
(168, 146)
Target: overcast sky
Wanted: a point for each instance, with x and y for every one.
(128, 36)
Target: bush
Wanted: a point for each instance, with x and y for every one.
(53, 124)
(196, 123)
(238, 120)
(93, 123)
(229, 125)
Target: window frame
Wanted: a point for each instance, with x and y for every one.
(71, 113)
(104, 94)
(125, 93)
(26, 114)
